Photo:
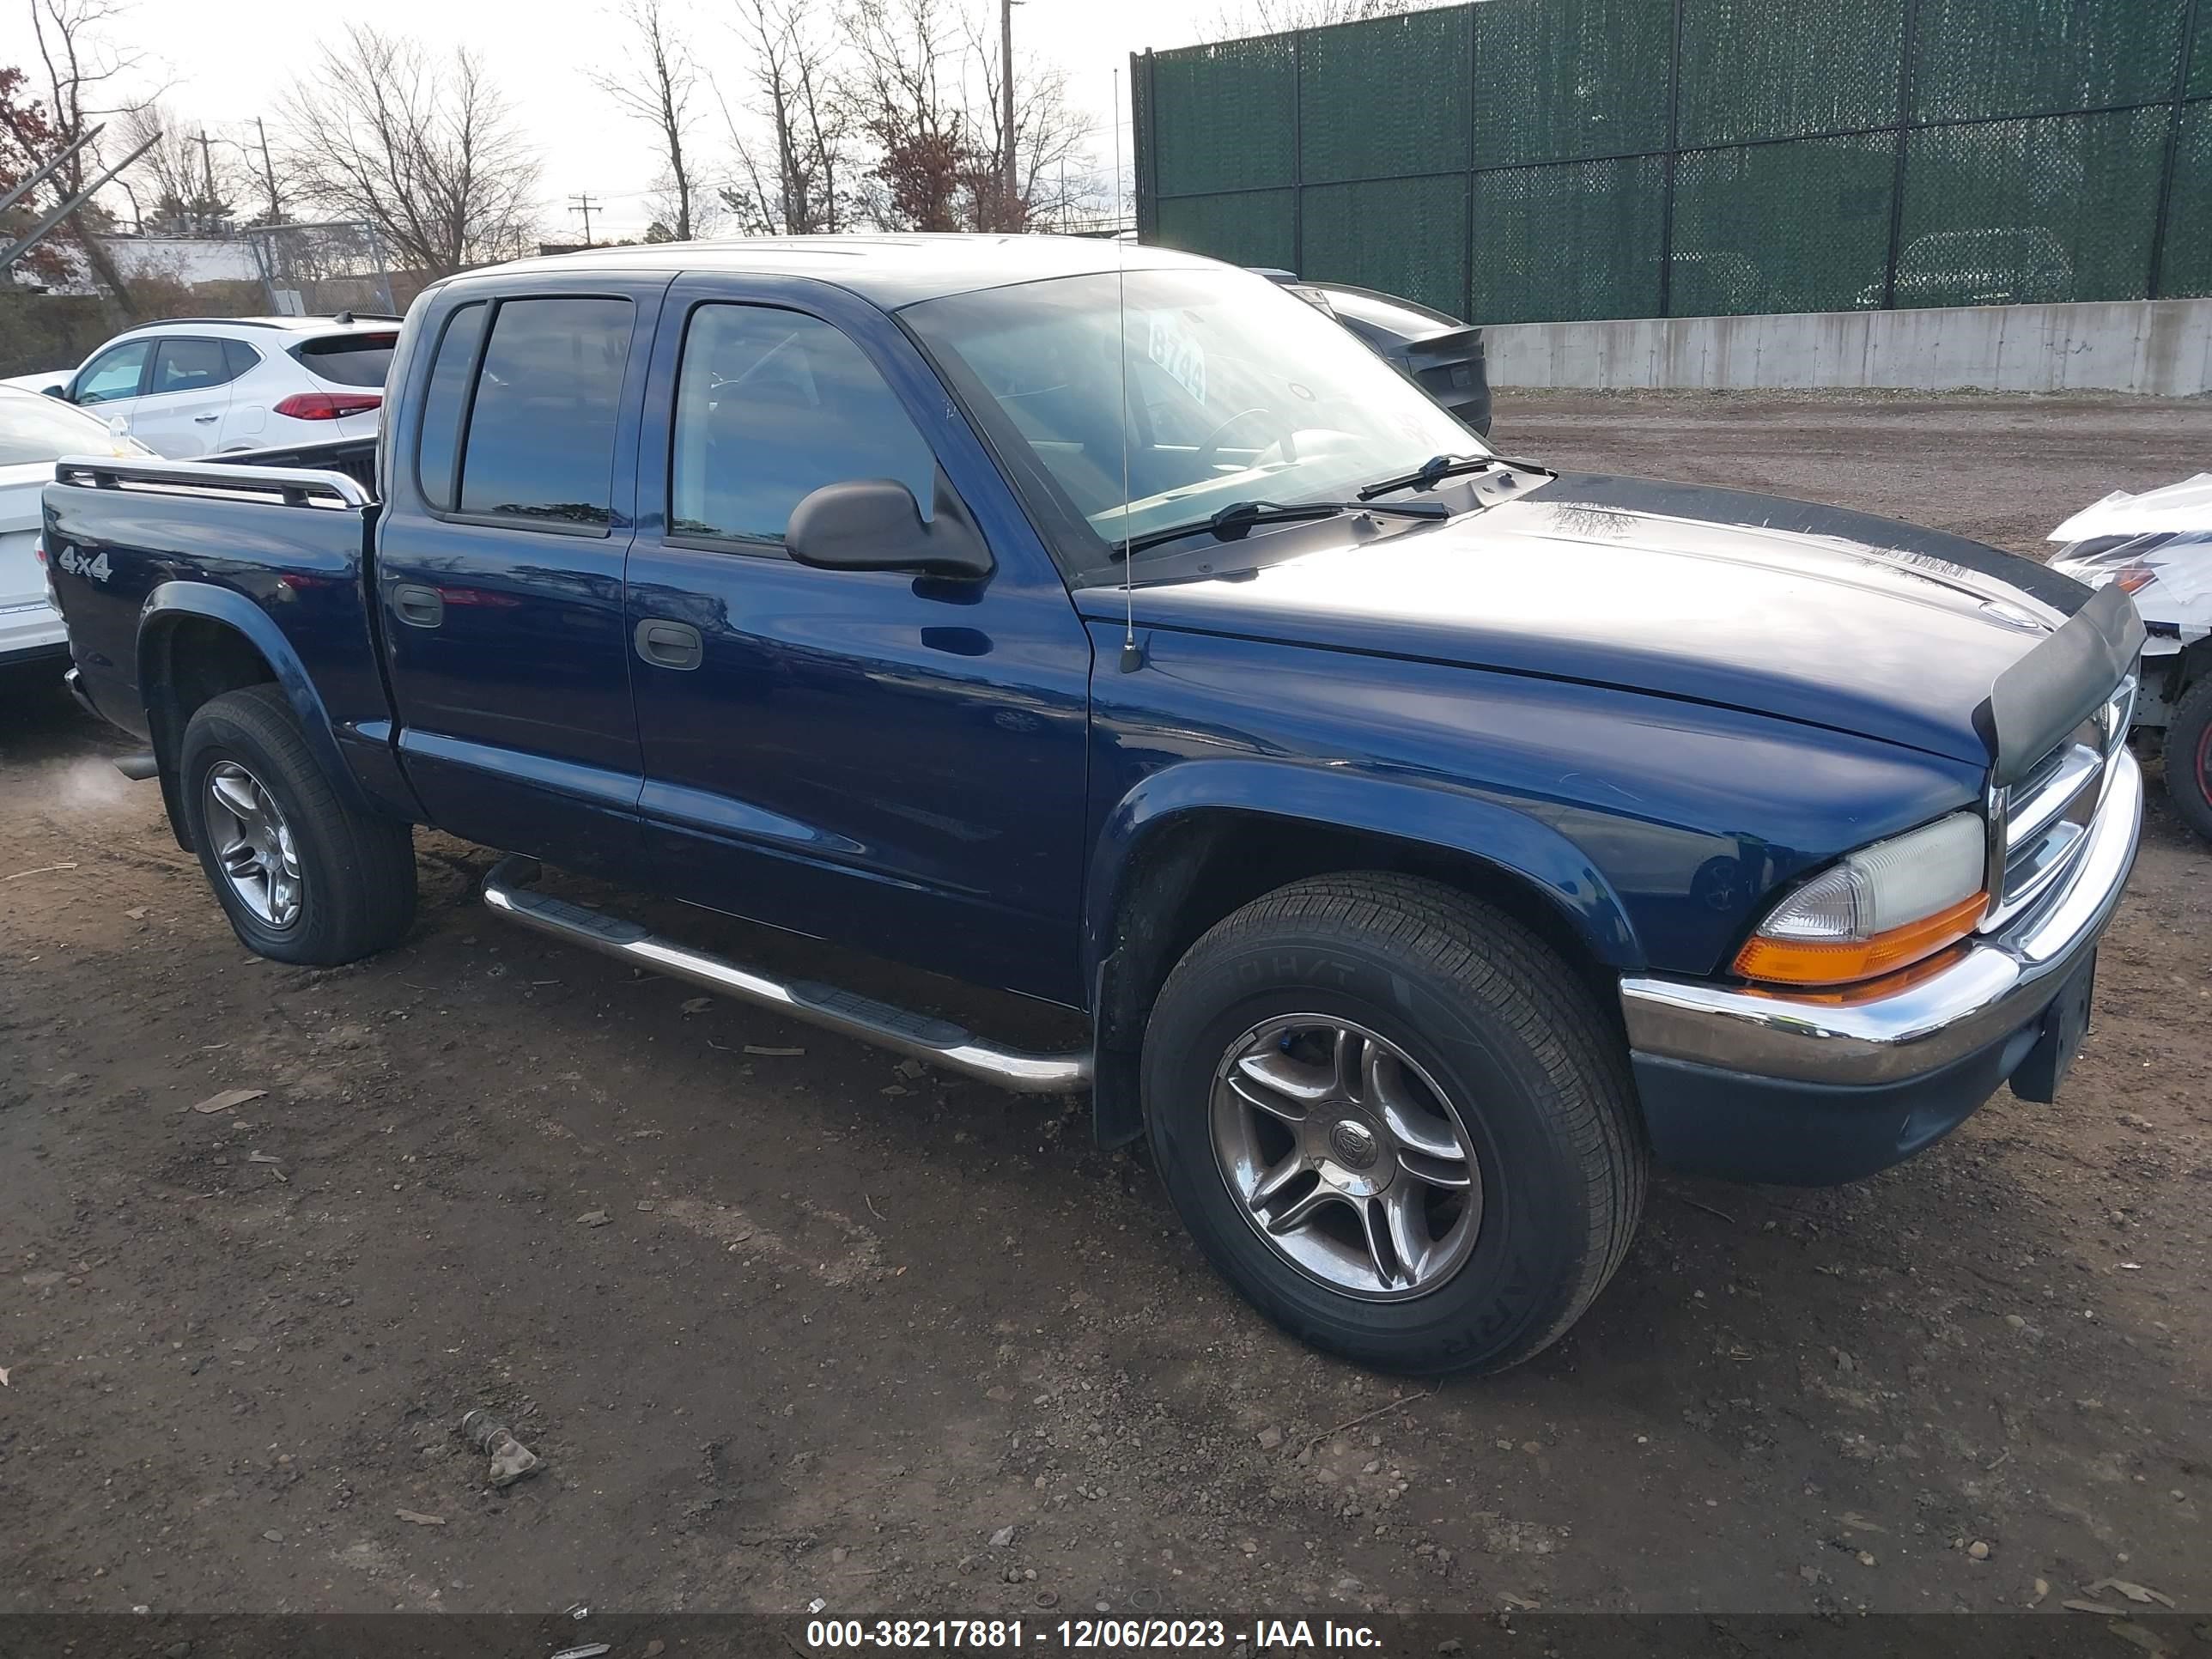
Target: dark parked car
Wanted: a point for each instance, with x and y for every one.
(1437, 351)
(1429, 841)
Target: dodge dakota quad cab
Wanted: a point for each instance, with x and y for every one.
(1432, 840)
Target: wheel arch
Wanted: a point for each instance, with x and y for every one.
(1191, 844)
(2193, 664)
(197, 642)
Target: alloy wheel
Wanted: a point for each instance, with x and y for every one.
(1345, 1156)
(253, 844)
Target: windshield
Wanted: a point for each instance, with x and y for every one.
(1236, 390)
(36, 428)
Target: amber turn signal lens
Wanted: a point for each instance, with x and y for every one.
(1842, 962)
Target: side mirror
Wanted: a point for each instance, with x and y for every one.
(60, 391)
(874, 523)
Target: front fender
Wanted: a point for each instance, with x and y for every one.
(170, 601)
(1335, 797)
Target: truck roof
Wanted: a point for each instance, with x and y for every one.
(891, 271)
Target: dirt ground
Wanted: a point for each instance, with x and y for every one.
(841, 1325)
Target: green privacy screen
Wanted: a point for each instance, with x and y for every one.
(1524, 159)
(2187, 256)
(1568, 242)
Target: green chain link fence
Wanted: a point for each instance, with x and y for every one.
(1543, 160)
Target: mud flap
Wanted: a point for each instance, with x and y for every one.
(2064, 1024)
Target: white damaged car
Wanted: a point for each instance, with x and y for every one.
(2157, 546)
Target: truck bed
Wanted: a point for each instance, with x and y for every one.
(273, 543)
(354, 457)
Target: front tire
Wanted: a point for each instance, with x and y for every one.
(1396, 1121)
(2189, 758)
(302, 876)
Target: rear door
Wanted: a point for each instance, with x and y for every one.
(500, 569)
(256, 382)
(180, 411)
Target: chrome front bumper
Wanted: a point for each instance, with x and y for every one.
(2001, 983)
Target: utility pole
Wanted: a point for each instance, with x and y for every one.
(1006, 105)
(207, 178)
(269, 175)
(1117, 151)
(584, 205)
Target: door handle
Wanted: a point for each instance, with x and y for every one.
(205, 420)
(668, 644)
(424, 607)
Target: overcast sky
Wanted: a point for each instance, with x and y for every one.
(228, 59)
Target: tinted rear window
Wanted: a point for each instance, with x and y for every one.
(347, 359)
(37, 429)
(438, 438)
(541, 442)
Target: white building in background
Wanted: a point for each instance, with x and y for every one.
(191, 260)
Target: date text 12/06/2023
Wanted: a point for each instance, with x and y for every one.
(1078, 1635)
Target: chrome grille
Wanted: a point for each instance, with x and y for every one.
(2040, 825)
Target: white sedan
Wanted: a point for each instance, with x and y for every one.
(52, 381)
(202, 386)
(35, 433)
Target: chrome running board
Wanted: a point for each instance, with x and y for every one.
(940, 1042)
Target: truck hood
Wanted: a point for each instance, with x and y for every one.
(1833, 618)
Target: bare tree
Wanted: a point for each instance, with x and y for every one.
(655, 84)
(82, 70)
(667, 206)
(84, 74)
(791, 181)
(1048, 137)
(194, 188)
(425, 153)
(925, 85)
(755, 208)
(902, 91)
(1280, 17)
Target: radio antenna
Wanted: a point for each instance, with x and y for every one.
(1131, 658)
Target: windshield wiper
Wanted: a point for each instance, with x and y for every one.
(1234, 520)
(1434, 470)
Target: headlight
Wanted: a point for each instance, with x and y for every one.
(1880, 908)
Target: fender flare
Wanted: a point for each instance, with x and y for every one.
(1515, 844)
(173, 600)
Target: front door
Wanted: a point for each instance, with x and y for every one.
(500, 571)
(890, 760)
(110, 383)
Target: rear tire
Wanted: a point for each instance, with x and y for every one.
(2189, 758)
(302, 876)
(1478, 1053)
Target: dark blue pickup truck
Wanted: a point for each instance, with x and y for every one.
(1432, 840)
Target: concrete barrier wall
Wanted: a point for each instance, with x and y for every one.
(2162, 348)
